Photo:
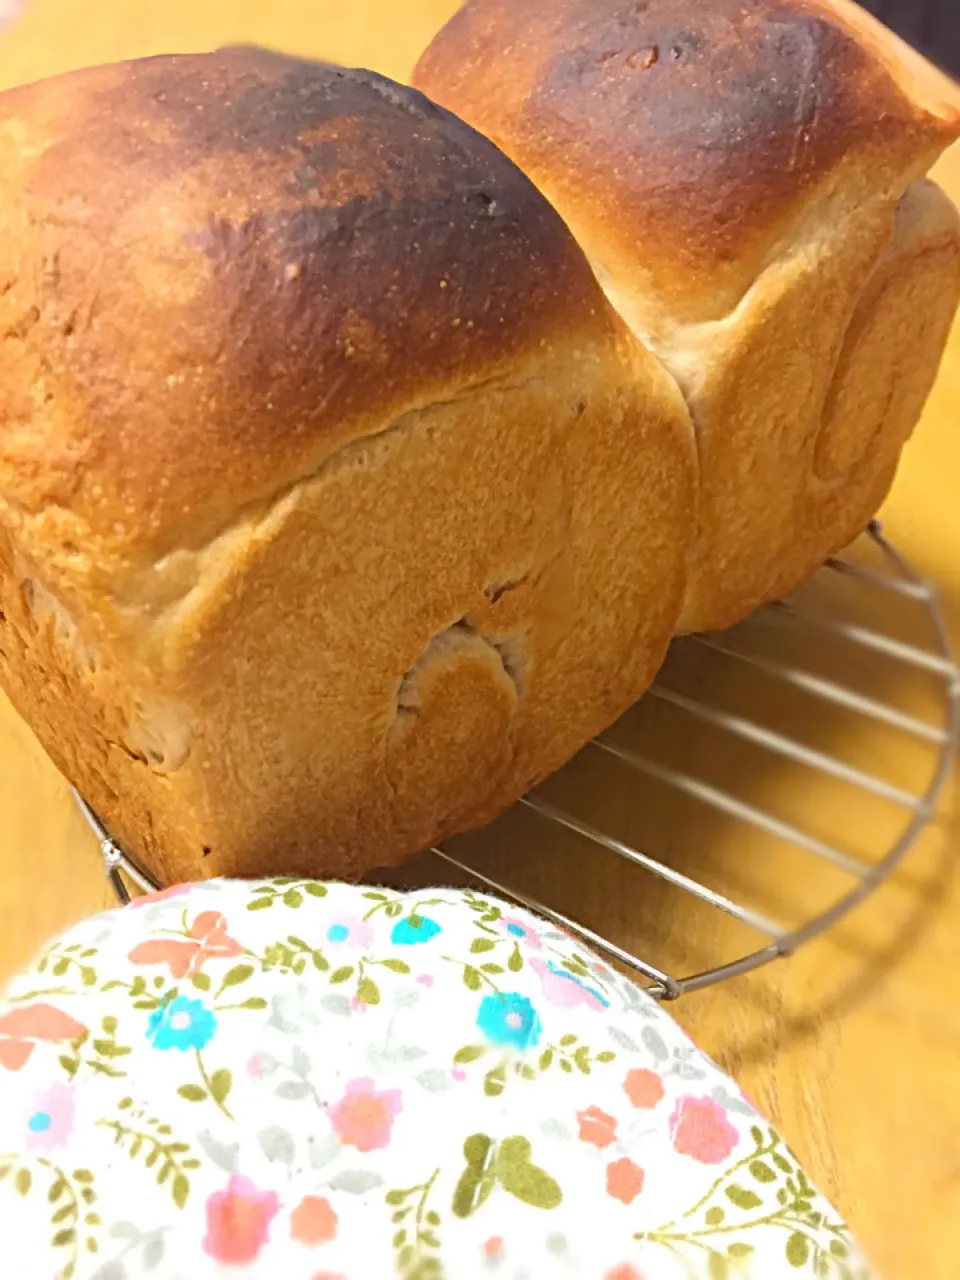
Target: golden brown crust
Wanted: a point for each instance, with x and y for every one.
(733, 170)
(335, 224)
(684, 136)
(805, 401)
(337, 506)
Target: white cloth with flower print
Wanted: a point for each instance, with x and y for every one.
(326, 1082)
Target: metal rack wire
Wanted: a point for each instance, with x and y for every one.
(896, 581)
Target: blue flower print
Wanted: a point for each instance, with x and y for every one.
(413, 929)
(509, 1020)
(182, 1024)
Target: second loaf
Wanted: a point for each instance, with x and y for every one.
(746, 179)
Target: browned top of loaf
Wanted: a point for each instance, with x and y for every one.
(219, 269)
(699, 123)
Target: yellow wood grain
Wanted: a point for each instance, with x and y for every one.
(852, 1046)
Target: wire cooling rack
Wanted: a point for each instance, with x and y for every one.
(809, 630)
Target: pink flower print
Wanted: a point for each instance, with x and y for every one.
(151, 899)
(425, 979)
(364, 1118)
(50, 1121)
(313, 1221)
(208, 940)
(624, 1180)
(699, 1127)
(494, 1252)
(22, 1028)
(520, 931)
(254, 1066)
(644, 1088)
(459, 1074)
(238, 1221)
(597, 1128)
(563, 989)
(349, 932)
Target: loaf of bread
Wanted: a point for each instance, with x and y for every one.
(745, 177)
(337, 504)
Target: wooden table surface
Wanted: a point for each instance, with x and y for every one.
(853, 1045)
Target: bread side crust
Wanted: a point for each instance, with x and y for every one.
(394, 649)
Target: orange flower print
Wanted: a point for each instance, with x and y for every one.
(210, 930)
(624, 1180)
(21, 1029)
(313, 1221)
(208, 940)
(699, 1128)
(238, 1221)
(364, 1118)
(644, 1088)
(597, 1128)
(626, 1272)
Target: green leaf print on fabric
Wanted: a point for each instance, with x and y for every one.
(389, 904)
(718, 1267)
(73, 1219)
(71, 1198)
(798, 1249)
(509, 1164)
(519, 1176)
(216, 1087)
(788, 1207)
(139, 993)
(62, 961)
(478, 1178)
(368, 992)
(743, 1199)
(469, 1053)
(138, 1132)
(101, 1056)
(286, 891)
(239, 973)
(568, 1055)
(415, 1240)
(294, 954)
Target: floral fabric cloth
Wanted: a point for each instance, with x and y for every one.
(327, 1082)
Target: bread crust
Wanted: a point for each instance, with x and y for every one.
(684, 137)
(337, 505)
(735, 172)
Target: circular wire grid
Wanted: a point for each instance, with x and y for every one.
(858, 667)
